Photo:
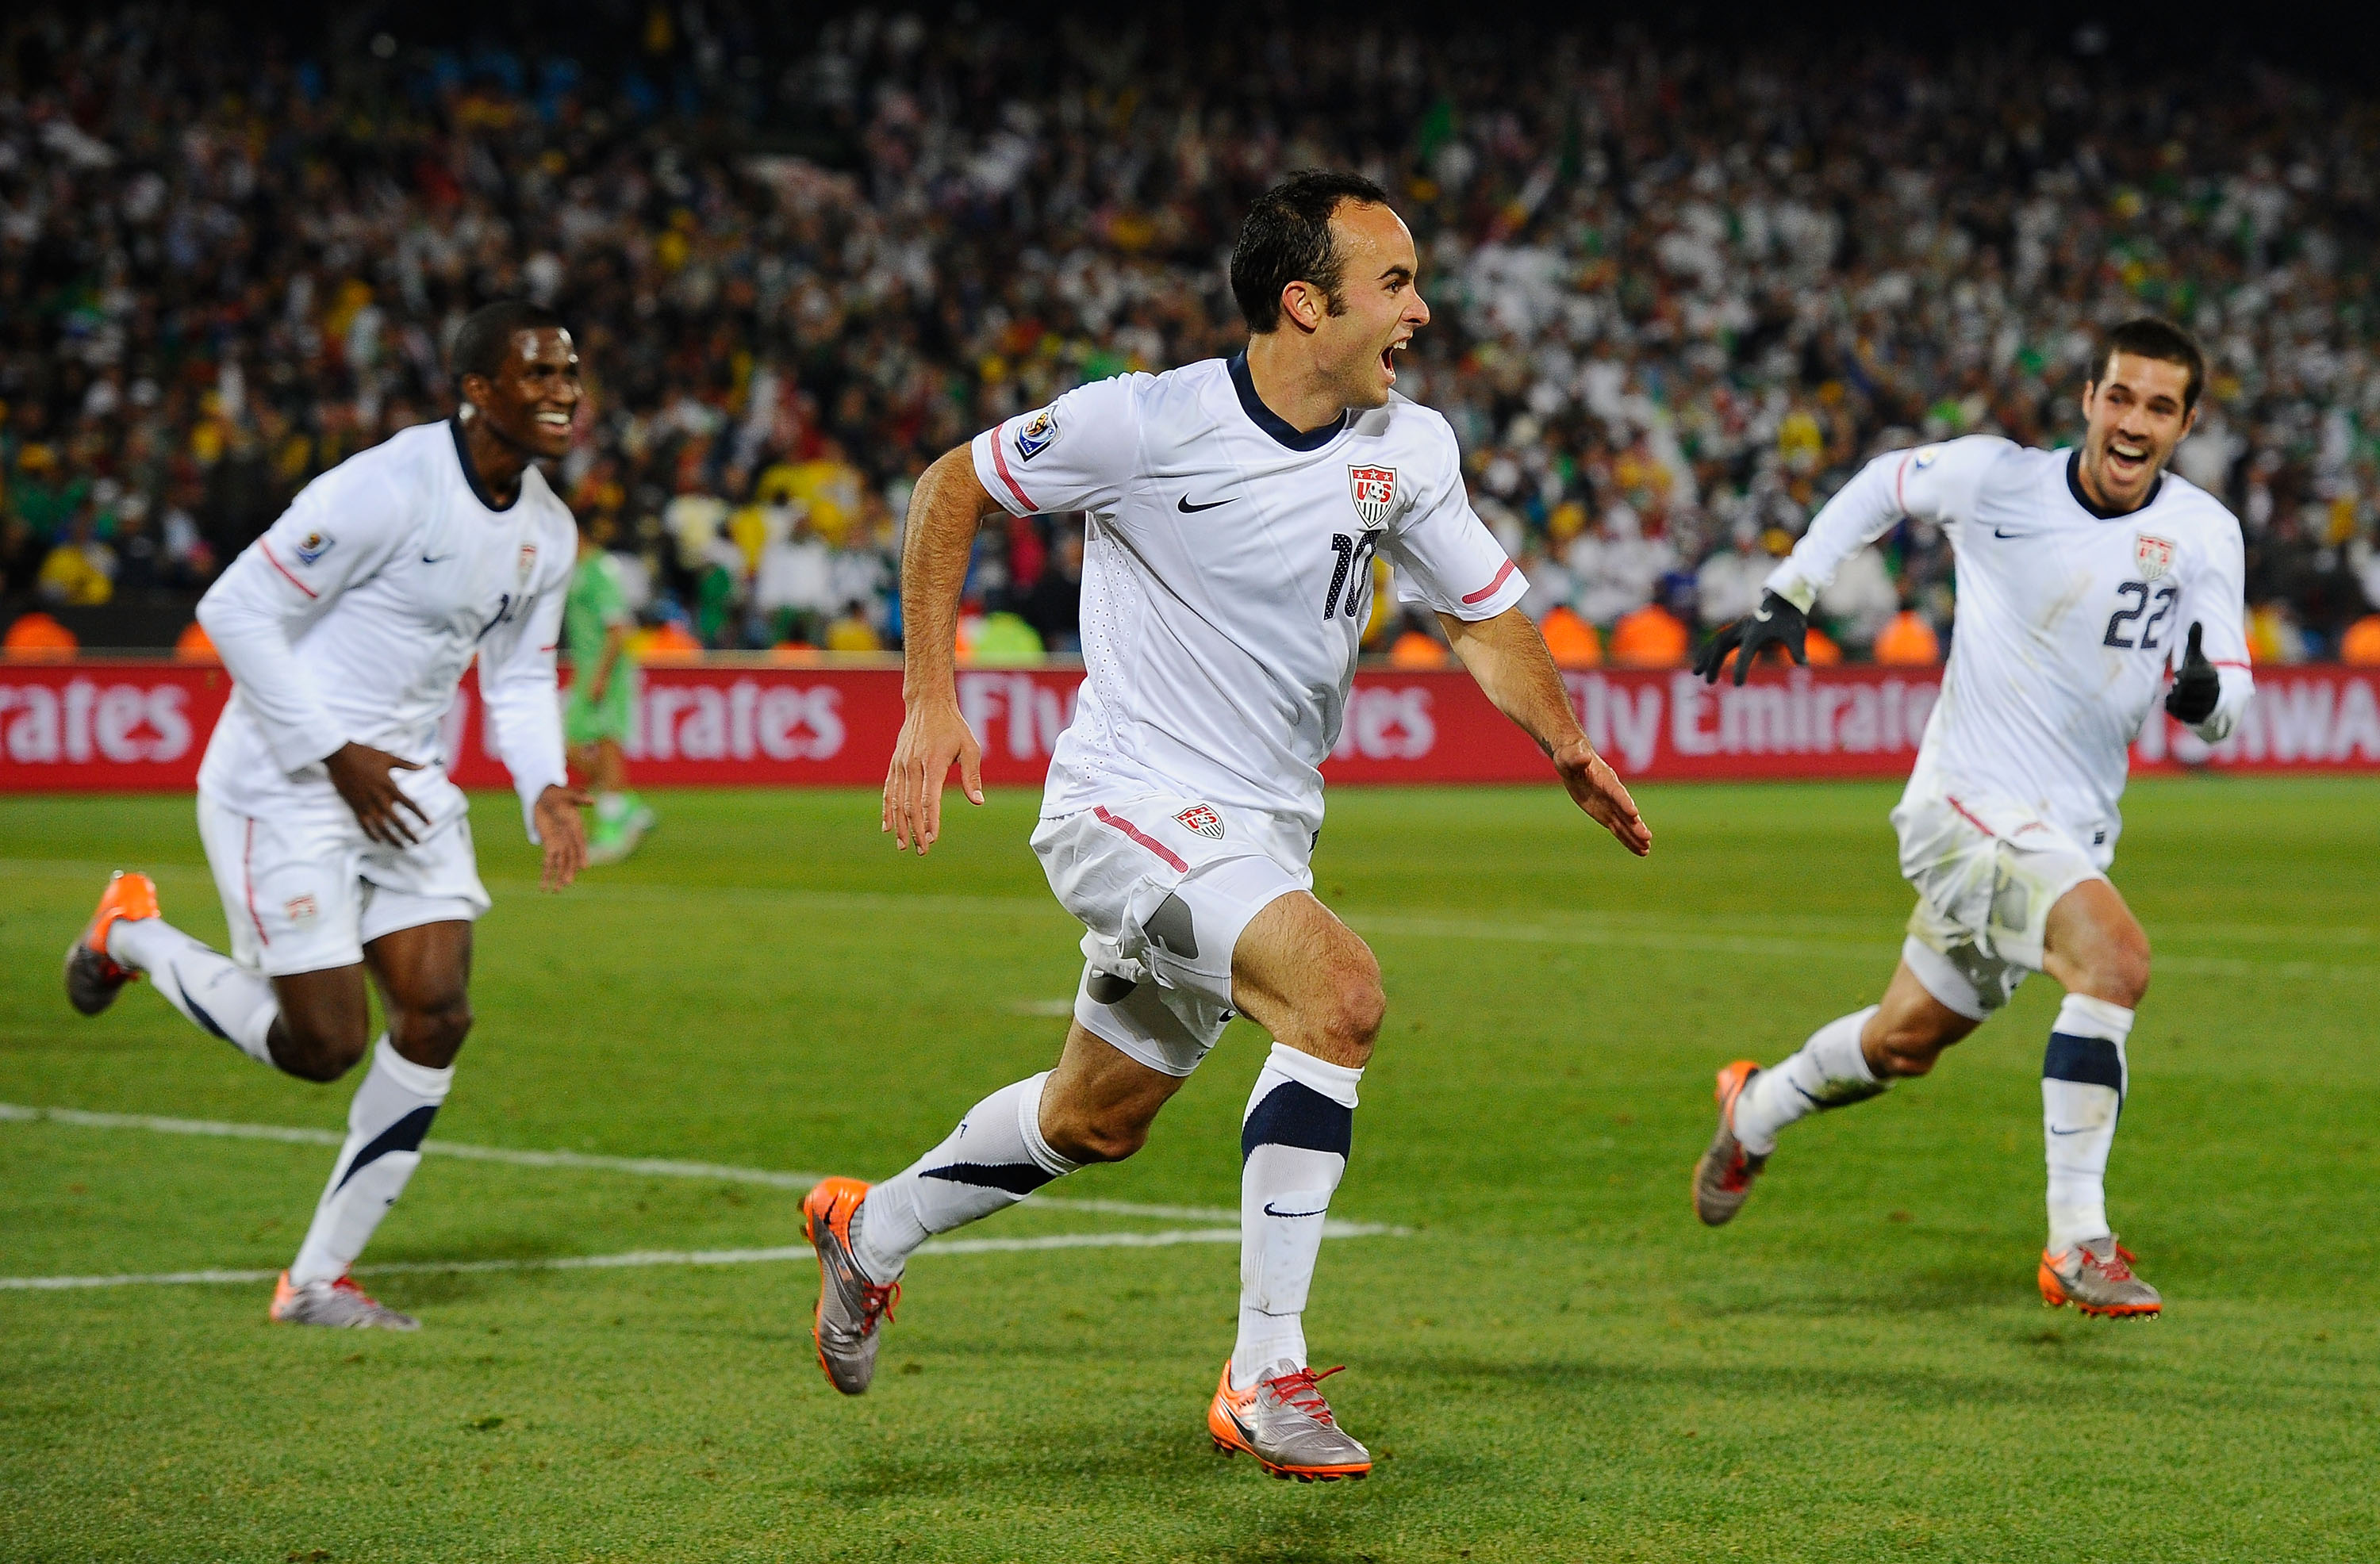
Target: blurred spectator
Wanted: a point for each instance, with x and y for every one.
(795, 588)
(1728, 585)
(1861, 600)
(80, 570)
(851, 631)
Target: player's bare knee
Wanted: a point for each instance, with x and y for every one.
(313, 1050)
(433, 1034)
(1348, 1017)
(1096, 1136)
(2121, 975)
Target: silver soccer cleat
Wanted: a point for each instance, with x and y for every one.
(339, 1302)
(2096, 1277)
(1723, 1177)
(1285, 1423)
(850, 1307)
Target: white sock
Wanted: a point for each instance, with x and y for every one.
(992, 1161)
(386, 1126)
(2082, 1080)
(610, 806)
(1829, 1070)
(217, 994)
(1294, 1143)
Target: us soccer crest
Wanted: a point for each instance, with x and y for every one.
(2154, 555)
(1202, 819)
(1035, 437)
(528, 563)
(1376, 491)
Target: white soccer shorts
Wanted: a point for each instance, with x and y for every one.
(1986, 874)
(306, 890)
(1163, 887)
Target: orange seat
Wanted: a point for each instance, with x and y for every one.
(1571, 640)
(1651, 637)
(1908, 642)
(1414, 649)
(1820, 649)
(2359, 648)
(37, 638)
(194, 645)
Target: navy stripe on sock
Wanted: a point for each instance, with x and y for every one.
(209, 1022)
(406, 1134)
(1295, 1114)
(1016, 1178)
(2093, 1062)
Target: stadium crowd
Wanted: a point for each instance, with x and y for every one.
(1681, 295)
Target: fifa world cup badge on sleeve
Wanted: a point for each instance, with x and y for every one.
(1034, 435)
(1376, 492)
(314, 546)
(2154, 555)
(1202, 819)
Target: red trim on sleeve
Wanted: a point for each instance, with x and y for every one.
(999, 460)
(266, 549)
(2223, 665)
(1483, 593)
(1140, 836)
(1900, 477)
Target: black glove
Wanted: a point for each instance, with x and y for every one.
(1775, 623)
(2197, 688)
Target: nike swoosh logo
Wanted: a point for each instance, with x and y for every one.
(1187, 508)
(2079, 1129)
(1271, 1212)
(441, 559)
(1999, 533)
(1762, 614)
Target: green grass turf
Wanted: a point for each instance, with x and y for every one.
(1559, 1363)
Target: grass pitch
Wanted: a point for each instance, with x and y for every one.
(1556, 1364)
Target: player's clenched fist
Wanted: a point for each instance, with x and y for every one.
(933, 737)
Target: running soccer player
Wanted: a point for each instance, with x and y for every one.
(338, 843)
(595, 624)
(1234, 508)
(2078, 572)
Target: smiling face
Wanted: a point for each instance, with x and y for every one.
(1379, 308)
(532, 399)
(2135, 415)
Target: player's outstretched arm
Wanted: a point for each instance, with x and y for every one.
(946, 507)
(1508, 658)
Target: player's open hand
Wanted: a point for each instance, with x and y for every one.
(933, 737)
(562, 831)
(1596, 788)
(362, 775)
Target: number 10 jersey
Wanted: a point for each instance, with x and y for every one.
(1227, 575)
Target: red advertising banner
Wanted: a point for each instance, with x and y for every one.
(142, 726)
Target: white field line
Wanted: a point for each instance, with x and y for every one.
(650, 1167)
(1616, 928)
(640, 1258)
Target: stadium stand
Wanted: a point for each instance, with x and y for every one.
(1680, 295)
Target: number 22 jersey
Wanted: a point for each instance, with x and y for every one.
(1227, 575)
(2069, 618)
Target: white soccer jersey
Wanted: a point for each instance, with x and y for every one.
(354, 616)
(2067, 619)
(1226, 575)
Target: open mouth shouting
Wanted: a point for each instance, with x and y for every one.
(2128, 460)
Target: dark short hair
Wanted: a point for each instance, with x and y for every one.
(1286, 238)
(487, 332)
(2148, 337)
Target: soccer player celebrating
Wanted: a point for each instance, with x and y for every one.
(1234, 508)
(595, 623)
(337, 840)
(2078, 574)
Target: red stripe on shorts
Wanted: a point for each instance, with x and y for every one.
(1970, 818)
(1142, 837)
(247, 877)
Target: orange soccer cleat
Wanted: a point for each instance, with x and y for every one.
(94, 978)
(1284, 1423)
(851, 1304)
(2097, 1278)
(1723, 1177)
